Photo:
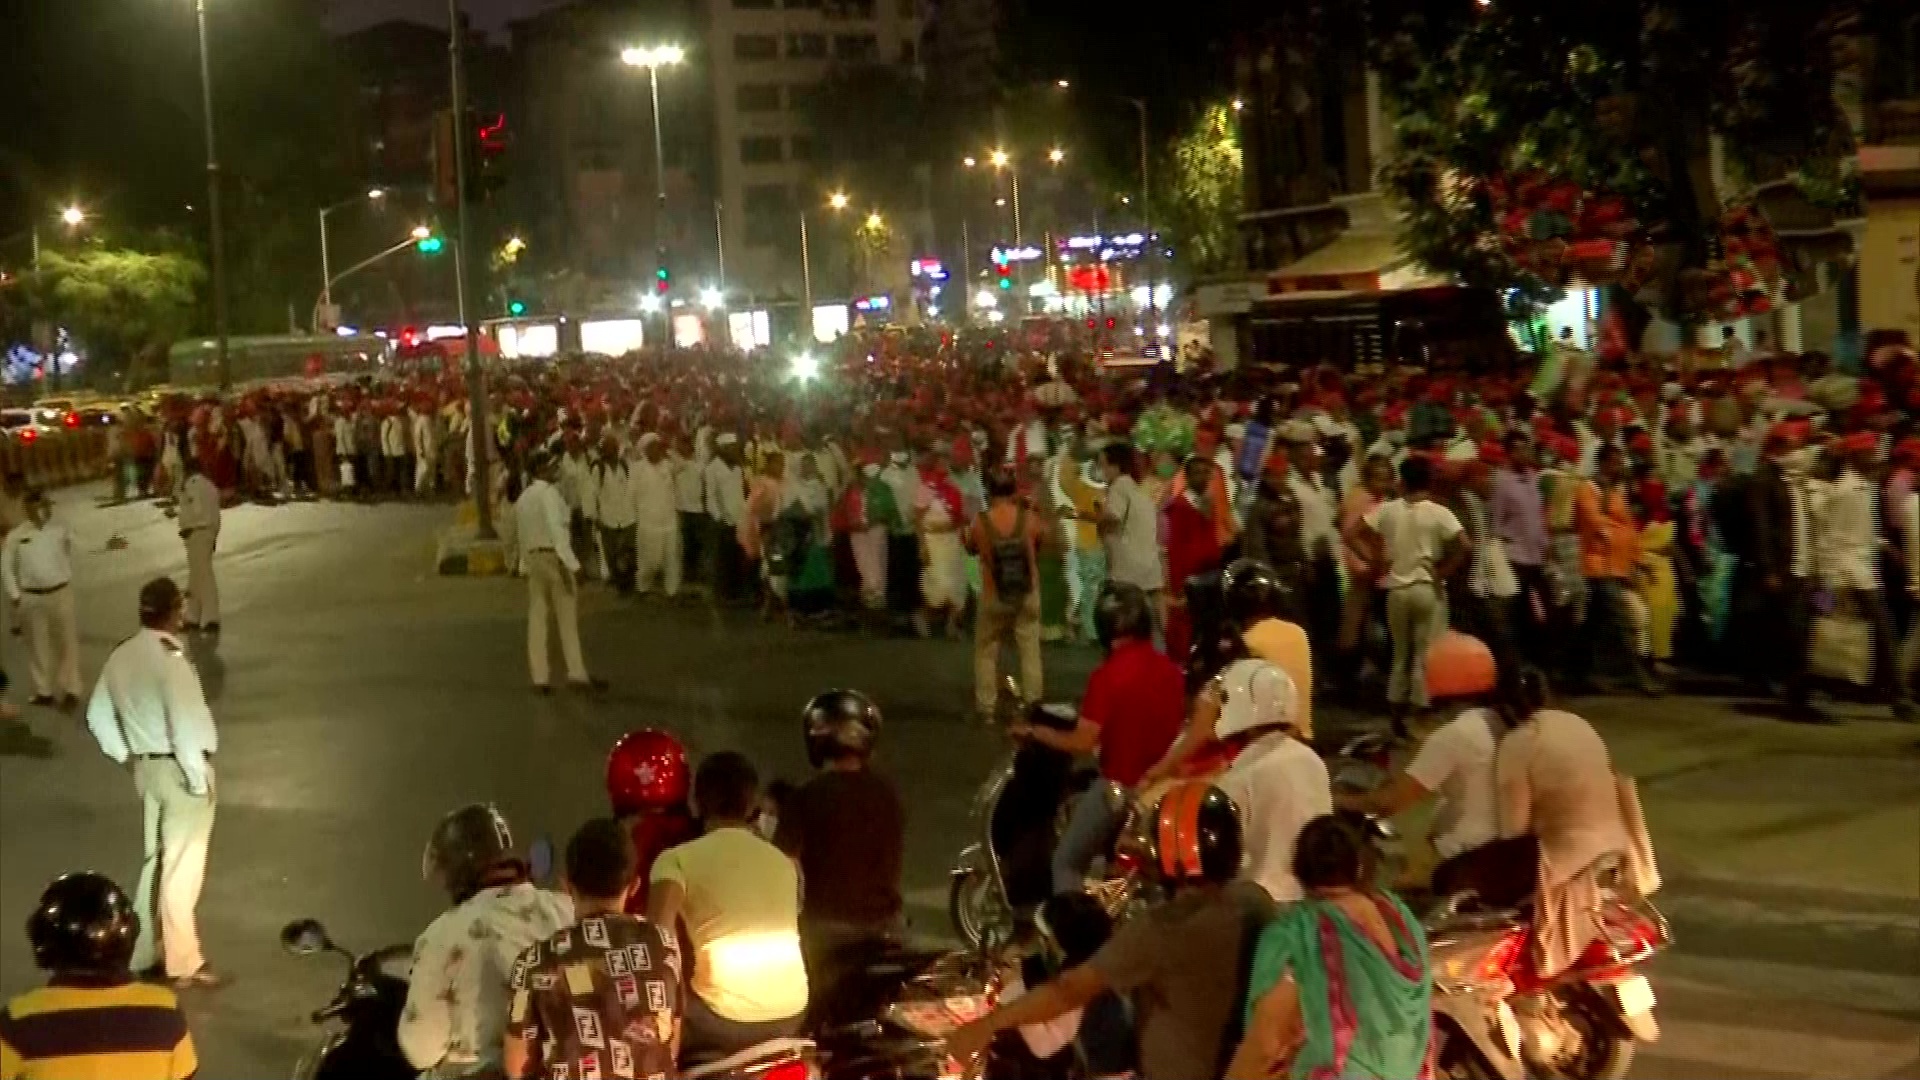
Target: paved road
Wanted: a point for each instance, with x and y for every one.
(359, 697)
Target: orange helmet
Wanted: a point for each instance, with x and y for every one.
(1459, 665)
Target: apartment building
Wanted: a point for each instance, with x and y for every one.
(765, 59)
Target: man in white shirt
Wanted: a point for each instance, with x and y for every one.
(1130, 525)
(612, 480)
(1848, 542)
(1319, 533)
(1277, 781)
(690, 499)
(1455, 763)
(148, 712)
(1421, 544)
(393, 443)
(198, 515)
(726, 498)
(426, 449)
(553, 571)
(36, 566)
(656, 508)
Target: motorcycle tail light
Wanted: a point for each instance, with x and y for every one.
(788, 1070)
(1500, 960)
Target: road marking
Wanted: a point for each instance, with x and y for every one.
(1768, 1051)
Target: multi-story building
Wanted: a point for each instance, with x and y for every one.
(400, 74)
(765, 60)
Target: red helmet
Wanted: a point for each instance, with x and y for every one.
(647, 770)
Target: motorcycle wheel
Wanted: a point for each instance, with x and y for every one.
(1456, 1058)
(971, 906)
(1606, 1052)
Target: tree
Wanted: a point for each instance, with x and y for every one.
(1538, 140)
(1205, 196)
(123, 307)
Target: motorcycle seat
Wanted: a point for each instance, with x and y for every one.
(770, 1050)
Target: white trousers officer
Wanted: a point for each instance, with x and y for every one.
(177, 827)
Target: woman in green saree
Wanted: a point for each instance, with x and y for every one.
(1340, 986)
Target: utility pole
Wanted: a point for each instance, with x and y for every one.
(218, 249)
(482, 433)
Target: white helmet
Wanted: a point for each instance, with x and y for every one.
(1255, 694)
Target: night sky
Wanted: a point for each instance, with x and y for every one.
(490, 15)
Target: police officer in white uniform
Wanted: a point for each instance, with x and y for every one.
(553, 578)
(199, 517)
(36, 567)
(148, 712)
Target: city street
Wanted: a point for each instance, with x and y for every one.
(359, 697)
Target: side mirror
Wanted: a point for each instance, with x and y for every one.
(540, 861)
(305, 937)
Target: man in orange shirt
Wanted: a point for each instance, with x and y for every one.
(1609, 550)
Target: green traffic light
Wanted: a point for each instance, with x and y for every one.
(430, 245)
(1005, 283)
(516, 307)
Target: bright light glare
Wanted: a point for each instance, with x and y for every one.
(999, 159)
(376, 193)
(1166, 331)
(1063, 84)
(996, 316)
(1002, 201)
(986, 298)
(806, 367)
(969, 161)
(874, 222)
(659, 56)
(73, 215)
(1056, 155)
(1237, 104)
(713, 299)
(421, 232)
(649, 304)
(838, 200)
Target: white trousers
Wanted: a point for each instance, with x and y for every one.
(178, 827)
(549, 589)
(53, 642)
(657, 553)
(203, 593)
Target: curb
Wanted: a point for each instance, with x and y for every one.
(460, 552)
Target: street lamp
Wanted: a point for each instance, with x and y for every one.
(326, 264)
(420, 232)
(217, 247)
(73, 216)
(653, 59)
(1056, 155)
(713, 299)
(836, 202)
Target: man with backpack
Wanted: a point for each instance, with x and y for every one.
(1004, 537)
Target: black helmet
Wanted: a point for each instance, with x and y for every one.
(1251, 591)
(840, 723)
(464, 846)
(83, 922)
(1122, 611)
(1196, 835)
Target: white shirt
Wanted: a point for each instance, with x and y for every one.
(540, 521)
(726, 492)
(654, 499)
(906, 488)
(1456, 763)
(393, 436)
(1279, 784)
(37, 557)
(1849, 536)
(1133, 545)
(1316, 513)
(148, 701)
(613, 494)
(344, 442)
(457, 999)
(572, 481)
(1415, 534)
(199, 505)
(689, 484)
(423, 432)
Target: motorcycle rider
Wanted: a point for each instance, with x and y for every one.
(1276, 780)
(1131, 712)
(1185, 961)
(738, 897)
(92, 1018)
(846, 829)
(456, 1013)
(647, 785)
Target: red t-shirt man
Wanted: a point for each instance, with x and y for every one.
(1137, 698)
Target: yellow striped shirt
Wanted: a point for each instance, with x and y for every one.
(78, 1028)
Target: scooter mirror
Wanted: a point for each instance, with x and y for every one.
(304, 937)
(540, 861)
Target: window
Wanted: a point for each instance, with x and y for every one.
(803, 147)
(757, 97)
(801, 98)
(760, 149)
(769, 210)
(756, 47)
(856, 47)
(806, 46)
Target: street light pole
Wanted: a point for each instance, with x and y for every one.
(477, 426)
(326, 265)
(218, 238)
(1146, 212)
(806, 276)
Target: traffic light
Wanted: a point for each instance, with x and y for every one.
(488, 141)
(430, 245)
(516, 308)
(662, 281)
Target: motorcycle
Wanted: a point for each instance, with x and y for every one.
(362, 1039)
(1498, 1018)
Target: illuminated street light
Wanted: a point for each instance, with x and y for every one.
(1001, 201)
(838, 200)
(376, 193)
(806, 367)
(421, 232)
(713, 299)
(649, 303)
(1237, 103)
(1063, 84)
(1056, 155)
(873, 221)
(73, 216)
(969, 161)
(999, 159)
(653, 59)
(656, 56)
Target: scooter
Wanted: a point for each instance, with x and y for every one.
(362, 1038)
(1497, 1018)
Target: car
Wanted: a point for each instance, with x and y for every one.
(52, 411)
(21, 425)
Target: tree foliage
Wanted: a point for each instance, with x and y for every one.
(1205, 194)
(1538, 140)
(121, 306)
